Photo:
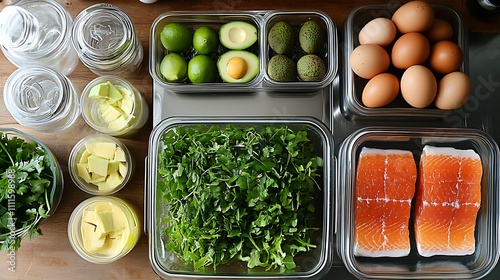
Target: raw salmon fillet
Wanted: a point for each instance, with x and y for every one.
(447, 201)
(385, 186)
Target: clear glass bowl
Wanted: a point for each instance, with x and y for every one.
(413, 266)
(131, 237)
(54, 190)
(79, 150)
(313, 264)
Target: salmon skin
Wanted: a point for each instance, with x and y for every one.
(447, 201)
(385, 186)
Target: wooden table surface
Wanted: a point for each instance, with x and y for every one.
(50, 256)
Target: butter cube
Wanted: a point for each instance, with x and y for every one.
(98, 165)
(83, 172)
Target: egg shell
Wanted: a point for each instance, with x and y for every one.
(379, 31)
(453, 91)
(410, 49)
(445, 57)
(380, 90)
(414, 16)
(369, 60)
(439, 31)
(418, 86)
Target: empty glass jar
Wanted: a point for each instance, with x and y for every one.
(38, 32)
(41, 98)
(105, 40)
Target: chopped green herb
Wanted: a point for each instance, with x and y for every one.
(238, 194)
(25, 184)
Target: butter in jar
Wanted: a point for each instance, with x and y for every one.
(103, 229)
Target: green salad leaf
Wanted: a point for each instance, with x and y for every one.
(25, 184)
(243, 194)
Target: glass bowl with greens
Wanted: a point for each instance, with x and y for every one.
(31, 186)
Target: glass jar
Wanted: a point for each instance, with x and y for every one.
(38, 32)
(79, 155)
(41, 98)
(106, 42)
(124, 238)
(100, 113)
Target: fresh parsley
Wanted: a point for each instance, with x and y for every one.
(244, 194)
(25, 184)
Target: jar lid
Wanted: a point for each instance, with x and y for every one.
(39, 97)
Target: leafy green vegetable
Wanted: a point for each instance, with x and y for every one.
(238, 194)
(25, 184)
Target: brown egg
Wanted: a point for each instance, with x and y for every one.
(418, 86)
(439, 31)
(410, 49)
(414, 16)
(369, 60)
(380, 90)
(445, 57)
(453, 91)
(379, 31)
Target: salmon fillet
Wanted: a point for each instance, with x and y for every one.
(447, 201)
(385, 186)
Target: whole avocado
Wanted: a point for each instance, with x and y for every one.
(281, 68)
(281, 37)
(311, 67)
(311, 37)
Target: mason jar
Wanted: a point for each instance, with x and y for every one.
(38, 32)
(106, 42)
(41, 98)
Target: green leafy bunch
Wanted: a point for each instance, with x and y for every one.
(242, 194)
(25, 184)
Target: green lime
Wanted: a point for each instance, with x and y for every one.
(176, 37)
(202, 69)
(205, 40)
(173, 67)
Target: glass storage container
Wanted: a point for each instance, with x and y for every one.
(309, 265)
(122, 211)
(79, 154)
(106, 41)
(414, 266)
(38, 32)
(121, 122)
(352, 86)
(41, 98)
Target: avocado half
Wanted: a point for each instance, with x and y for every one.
(252, 66)
(237, 35)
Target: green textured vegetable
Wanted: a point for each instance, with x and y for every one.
(238, 194)
(25, 183)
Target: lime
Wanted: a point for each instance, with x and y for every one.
(173, 67)
(205, 40)
(176, 37)
(202, 69)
